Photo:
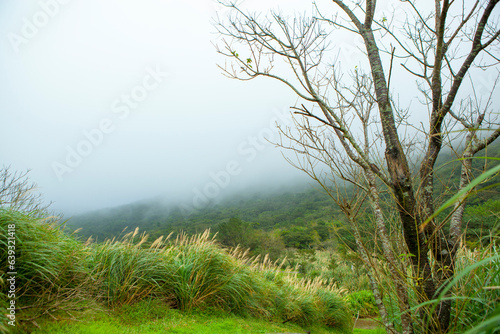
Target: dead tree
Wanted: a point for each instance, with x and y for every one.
(438, 47)
(18, 193)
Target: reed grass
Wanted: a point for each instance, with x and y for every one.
(57, 272)
(49, 264)
(477, 293)
(205, 275)
(125, 271)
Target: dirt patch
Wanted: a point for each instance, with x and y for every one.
(366, 323)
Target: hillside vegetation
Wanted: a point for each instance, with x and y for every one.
(272, 262)
(300, 217)
(58, 276)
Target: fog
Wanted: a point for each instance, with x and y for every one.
(109, 102)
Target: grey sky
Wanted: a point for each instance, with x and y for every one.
(138, 81)
(114, 101)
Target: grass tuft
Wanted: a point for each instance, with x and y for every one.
(57, 275)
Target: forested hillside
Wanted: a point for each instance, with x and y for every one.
(301, 216)
(296, 206)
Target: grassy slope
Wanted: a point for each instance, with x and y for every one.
(152, 317)
(190, 281)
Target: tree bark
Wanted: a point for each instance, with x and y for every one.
(397, 164)
(400, 175)
(397, 273)
(389, 326)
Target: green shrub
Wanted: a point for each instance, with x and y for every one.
(362, 303)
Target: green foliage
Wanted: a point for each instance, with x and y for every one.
(475, 182)
(49, 264)
(151, 317)
(362, 303)
(344, 269)
(263, 212)
(233, 232)
(125, 272)
(482, 219)
(204, 275)
(300, 237)
(322, 230)
(261, 243)
(297, 305)
(476, 292)
(188, 273)
(334, 309)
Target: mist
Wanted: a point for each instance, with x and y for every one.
(113, 102)
(118, 101)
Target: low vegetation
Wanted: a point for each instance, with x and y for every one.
(191, 283)
(151, 316)
(58, 276)
(242, 278)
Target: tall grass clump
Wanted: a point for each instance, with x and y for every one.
(188, 272)
(126, 271)
(335, 313)
(315, 301)
(49, 264)
(474, 292)
(57, 272)
(301, 300)
(477, 293)
(3, 304)
(204, 275)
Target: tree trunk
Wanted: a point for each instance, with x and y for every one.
(397, 273)
(389, 326)
(400, 175)
(397, 164)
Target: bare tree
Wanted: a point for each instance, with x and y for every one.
(18, 193)
(350, 120)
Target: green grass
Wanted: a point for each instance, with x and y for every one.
(190, 285)
(362, 303)
(150, 316)
(59, 276)
(369, 331)
(49, 264)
